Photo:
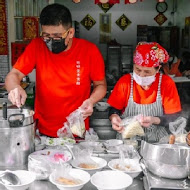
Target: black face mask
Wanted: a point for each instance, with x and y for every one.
(56, 46)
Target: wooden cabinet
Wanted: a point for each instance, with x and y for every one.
(167, 36)
(119, 60)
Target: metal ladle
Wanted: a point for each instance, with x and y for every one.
(9, 178)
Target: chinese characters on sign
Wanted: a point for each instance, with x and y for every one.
(123, 22)
(30, 28)
(3, 29)
(88, 22)
(160, 19)
(105, 6)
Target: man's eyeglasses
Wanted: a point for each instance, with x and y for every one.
(46, 37)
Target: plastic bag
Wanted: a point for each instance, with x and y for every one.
(62, 175)
(83, 158)
(91, 135)
(65, 131)
(76, 123)
(132, 127)
(178, 129)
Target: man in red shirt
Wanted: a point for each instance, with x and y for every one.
(146, 92)
(65, 68)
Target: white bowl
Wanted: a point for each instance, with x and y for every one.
(111, 180)
(113, 142)
(96, 146)
(134, 171)
(26, 177)
(75, 173)
(100, 162)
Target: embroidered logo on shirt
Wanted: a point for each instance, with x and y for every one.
(77, 72)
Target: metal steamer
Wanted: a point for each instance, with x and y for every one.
(17, 132)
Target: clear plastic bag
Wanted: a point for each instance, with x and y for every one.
(62, 175)
(76, 123)
(91, 135)
(132, 127)
(65, 131)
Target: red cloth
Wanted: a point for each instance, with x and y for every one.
(150, 54)
(57, 76)
(170, 98)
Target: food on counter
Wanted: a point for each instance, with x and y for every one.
(124, 167)
(66, 181)
(181, 138)
(132, 129)
(88, 166)
(59, 141)
(78, 130)
(172, 139)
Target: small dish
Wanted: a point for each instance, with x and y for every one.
(26, 178)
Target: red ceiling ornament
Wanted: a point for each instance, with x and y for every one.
(131, 1)
(107, 1)
(76, 1)
(160, 1)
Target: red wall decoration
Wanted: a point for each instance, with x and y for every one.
(107, 1)
(3, 29)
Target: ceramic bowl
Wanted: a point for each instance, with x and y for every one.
(133, 167)
(111, 180)
(26, 178)
(81, 175)
(99, 161)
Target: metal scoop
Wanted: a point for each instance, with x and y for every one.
(9, 178)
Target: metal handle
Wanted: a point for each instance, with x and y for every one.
(5, 110)
(16, 122)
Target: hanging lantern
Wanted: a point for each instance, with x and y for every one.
(107, 1)
(76, 1)
(160, 1)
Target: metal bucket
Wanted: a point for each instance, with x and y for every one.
(166, 160)
(17, 133)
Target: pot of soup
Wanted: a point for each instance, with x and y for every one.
(17, 132)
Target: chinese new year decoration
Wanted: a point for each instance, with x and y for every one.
(88, 22)
(160, 18)
(30, 28)
(3, 29)
(123, 22)
(105, 7)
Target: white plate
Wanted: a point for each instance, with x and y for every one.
(113, 142)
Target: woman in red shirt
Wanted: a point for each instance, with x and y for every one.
(146, 92)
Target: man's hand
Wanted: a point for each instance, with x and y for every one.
(17, 96)
(116, 121)
(87, 108)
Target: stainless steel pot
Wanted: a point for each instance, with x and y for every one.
(165, 160)
(17, 132)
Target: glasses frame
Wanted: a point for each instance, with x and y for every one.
(48, 38)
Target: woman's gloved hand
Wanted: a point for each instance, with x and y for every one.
(116, 121)
(147, 121)
(17, 96)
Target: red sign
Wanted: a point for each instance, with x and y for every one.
(3, 29)
(131, 1)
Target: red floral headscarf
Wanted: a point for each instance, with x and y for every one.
(150, 54)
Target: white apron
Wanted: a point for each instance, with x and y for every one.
(154, 132)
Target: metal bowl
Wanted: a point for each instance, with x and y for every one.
(165, 160)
